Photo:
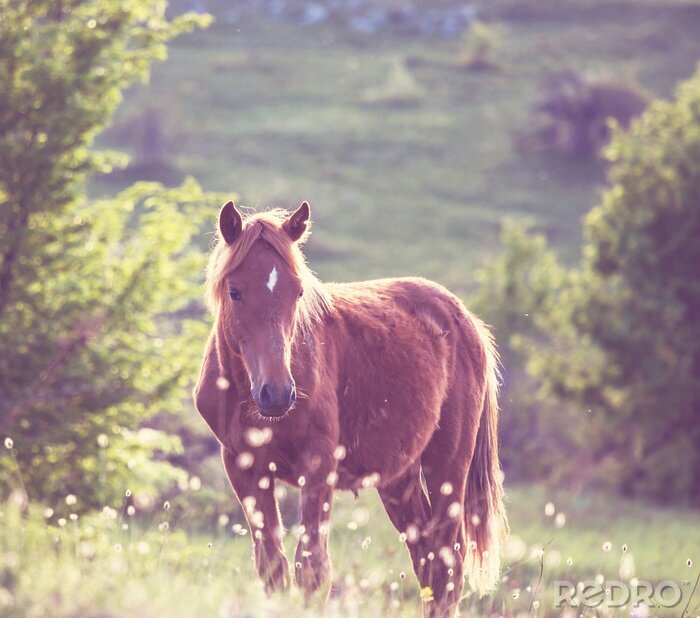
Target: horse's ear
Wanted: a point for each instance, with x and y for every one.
(298, 222)
(230, 222)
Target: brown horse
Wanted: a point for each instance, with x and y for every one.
(347, 386)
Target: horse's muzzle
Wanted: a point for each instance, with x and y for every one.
(273, 401)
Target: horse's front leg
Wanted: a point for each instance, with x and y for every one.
(259, 504)
(312, 568)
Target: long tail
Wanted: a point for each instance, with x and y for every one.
(485, 517)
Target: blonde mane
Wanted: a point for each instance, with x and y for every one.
(312, 306)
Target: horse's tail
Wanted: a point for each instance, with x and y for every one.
(485, 517)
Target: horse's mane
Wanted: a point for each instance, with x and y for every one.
(315, 303)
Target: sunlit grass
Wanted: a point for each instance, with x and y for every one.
(123, 561)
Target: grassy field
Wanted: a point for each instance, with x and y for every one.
(406, 157)
(93, 567)
(408, 161)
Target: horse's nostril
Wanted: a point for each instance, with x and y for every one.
(265, 394)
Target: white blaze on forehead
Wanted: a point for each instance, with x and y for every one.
(272, 279)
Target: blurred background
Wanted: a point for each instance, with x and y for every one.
(541, 159)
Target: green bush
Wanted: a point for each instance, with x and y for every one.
(87, 289)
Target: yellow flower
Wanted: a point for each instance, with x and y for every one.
(426, 594)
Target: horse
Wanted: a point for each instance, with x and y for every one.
(388, 384)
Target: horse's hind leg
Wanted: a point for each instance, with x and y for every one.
(408, 509)
(445, 464)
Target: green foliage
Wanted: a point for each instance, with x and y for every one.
(624, 360)
(513, 291)
(87, 288)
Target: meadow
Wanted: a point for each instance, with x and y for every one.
(394, 143)
(408, 159)
(146, 563)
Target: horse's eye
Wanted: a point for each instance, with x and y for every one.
(234, 294)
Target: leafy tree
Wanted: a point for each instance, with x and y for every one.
(87, 289)
(514, 290)
(626, 330)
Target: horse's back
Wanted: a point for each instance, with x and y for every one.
(397, 341)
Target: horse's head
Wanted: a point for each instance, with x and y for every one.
(259, 300)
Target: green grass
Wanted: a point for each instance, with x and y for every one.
(407, 175)
(92, 567)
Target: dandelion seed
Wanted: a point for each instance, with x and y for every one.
(599, 579)
(326, 507)
(9, 443)
(402, 575)
(549, 509)
(73, 517)
(535, 604)
(431, 556)
(472, 545)
(117, 547)
(166, 506)
(195, 483)
(306, 554)
(48, 513)
(103, 440)
(516, 593)
(402, 537)
(131, 510)
(624, 548)
(71, 500)
(394, 586)
(454, 510)
(446, 488)
(607, 546)
(570, 561)
(366, 543)
(528, 589)
(332, 479)
(222, 383)
(447, 557)
(352, 525)
(689, 562)
(457, 547)
(245, 460)
(370, 480)
(450, 586)
(340, 452)
(62, 522)
(560, 520)
(258, 437)
(450, 572)
(422, 561)
(476, 520)
(143, 548)
(164, 526)
(412, 533)
(272, 466)
(298, 565)
(209, 545)
(223, 520)
(125, 526)
(264, 482)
